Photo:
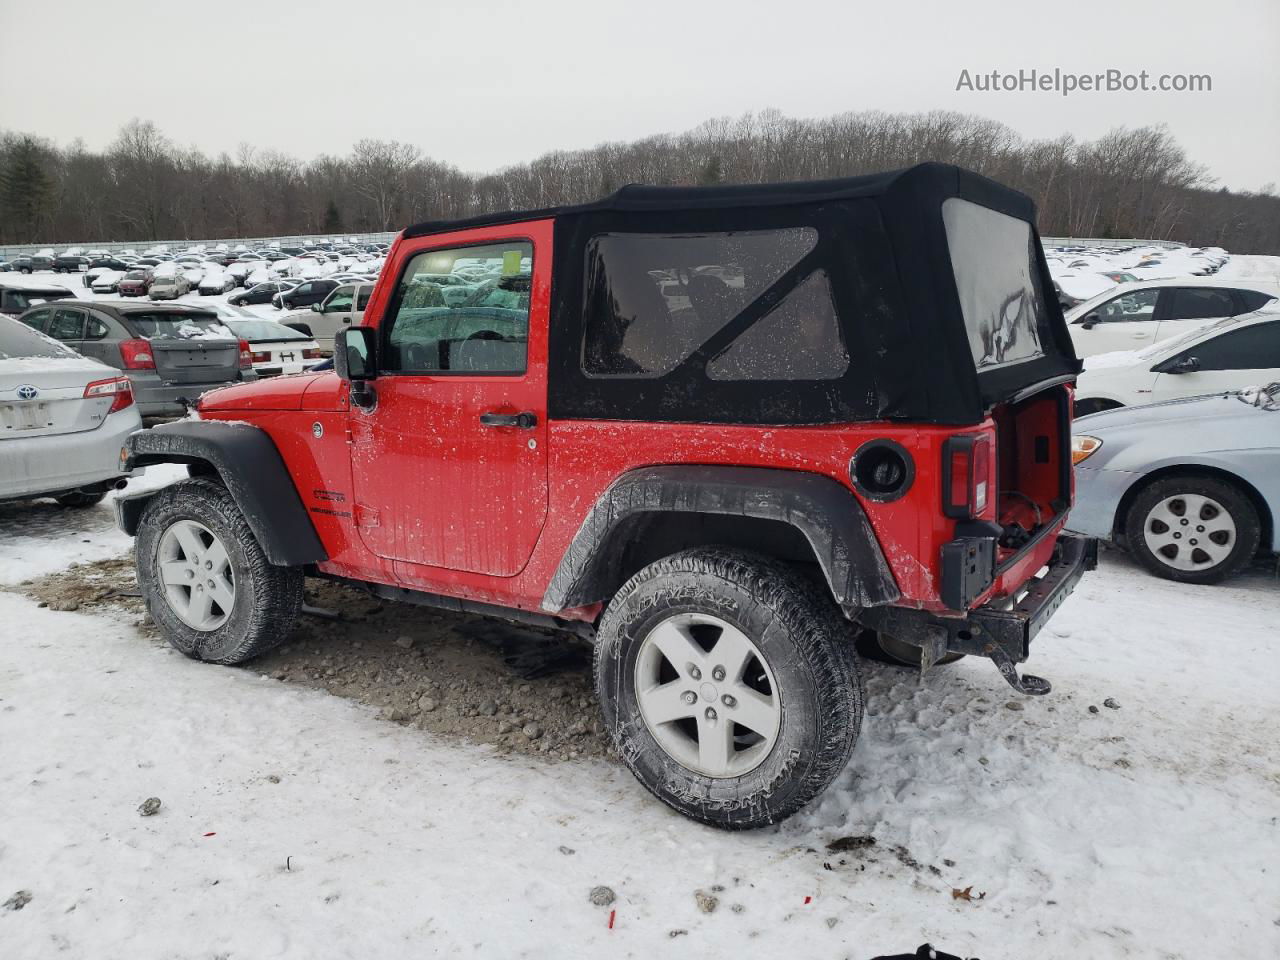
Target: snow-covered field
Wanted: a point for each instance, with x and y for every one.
(297, 824)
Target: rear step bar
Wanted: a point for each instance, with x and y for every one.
(1002, 635)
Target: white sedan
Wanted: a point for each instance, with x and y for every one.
(1227, 354)
(63, 420)
(276, 349)
(1131, 316)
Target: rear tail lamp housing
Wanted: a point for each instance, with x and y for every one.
(119, 389)
(137, 355)
(246, 356)
(966, 476)
(882, 470)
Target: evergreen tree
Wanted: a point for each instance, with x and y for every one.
(332, 219)
(26, 190)
(712, 172)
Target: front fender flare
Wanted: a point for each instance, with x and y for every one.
(827, 513)
(246, 460)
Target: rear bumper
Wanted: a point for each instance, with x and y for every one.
(1009, 624)
(36, 466)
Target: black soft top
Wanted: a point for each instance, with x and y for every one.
(884, 246)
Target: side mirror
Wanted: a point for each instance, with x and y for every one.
(1089, 322)
(315, 308)
(354, 360)
(1185, 365)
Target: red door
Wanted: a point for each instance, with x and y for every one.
(450, 465)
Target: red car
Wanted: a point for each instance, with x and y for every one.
(728, 435)
(135, 283)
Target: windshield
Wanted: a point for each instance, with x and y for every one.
(19, 340)
(994, 262)
(172, 326)
(256, 331)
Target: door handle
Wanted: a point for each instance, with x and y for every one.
(522, 421)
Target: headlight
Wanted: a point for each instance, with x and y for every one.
(1083, 447)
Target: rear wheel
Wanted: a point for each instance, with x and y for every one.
(726, 685)
(1193, 529)
(205, 578)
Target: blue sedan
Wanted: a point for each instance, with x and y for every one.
(1190, 487)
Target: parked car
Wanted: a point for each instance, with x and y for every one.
(1191, 488)
(135, 283)
(304, 294)
(111, 263)
(276, 349)
(261, 293)
(70, 264)
(38, 261)
(343, 307)
(732, 495)
(15, 296)
(1227, 354)
(169, 286)
(215, 283)
(108, 281)
(170, 353)
(63, 420)
(21, 264)
(1134, 315)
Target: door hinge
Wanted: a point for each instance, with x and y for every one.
(365, 516)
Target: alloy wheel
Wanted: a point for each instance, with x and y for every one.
(707, 695)
(199, 583)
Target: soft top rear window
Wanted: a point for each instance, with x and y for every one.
(180, 326)
(993, 257)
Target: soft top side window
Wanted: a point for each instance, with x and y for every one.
(653, 300)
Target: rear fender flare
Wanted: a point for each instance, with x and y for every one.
(827, 513)
(247, 461)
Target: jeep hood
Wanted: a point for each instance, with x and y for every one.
(276, 393)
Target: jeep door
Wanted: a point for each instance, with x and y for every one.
(450, 467)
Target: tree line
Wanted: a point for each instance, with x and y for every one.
(1130, 182)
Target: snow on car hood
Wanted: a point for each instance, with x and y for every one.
(1182, 410)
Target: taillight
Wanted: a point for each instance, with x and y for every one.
(262, 356)
(966, 476)
(137, 354)
(310, 354)
(119, 389)
(246, 356)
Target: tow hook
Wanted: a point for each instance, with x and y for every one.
(1030, 685)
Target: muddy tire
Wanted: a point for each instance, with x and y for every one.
(78, 500)
(1192, 529)
(727, 687)
(205, 578)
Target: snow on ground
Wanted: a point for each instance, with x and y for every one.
(1151, 830)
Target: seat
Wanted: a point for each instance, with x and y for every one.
(478, 355)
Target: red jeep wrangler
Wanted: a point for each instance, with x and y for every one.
(723, 433)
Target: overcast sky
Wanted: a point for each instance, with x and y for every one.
(488, 83)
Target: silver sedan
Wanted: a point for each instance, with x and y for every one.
(1190, 487)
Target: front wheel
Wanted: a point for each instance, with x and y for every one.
(205, 578)
(1193, 529)
(727, 687)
